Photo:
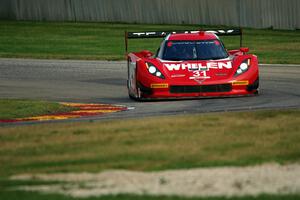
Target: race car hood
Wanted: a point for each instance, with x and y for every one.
(204, 71)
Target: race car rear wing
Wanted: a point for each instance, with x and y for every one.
(161, 34)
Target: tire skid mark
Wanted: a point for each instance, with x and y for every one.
(84, 110)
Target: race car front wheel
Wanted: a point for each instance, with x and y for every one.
(254, 86)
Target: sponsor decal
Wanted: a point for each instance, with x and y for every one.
(148, 33)
(199, 70)
(221, 74)
(198, 66)
(159, 85)
(240, 82)
(197, 75)
(177, 75)
(221, 31)
(164, 33)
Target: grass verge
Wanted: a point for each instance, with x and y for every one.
(16, 195)
(8, 191)
(105, 41)
(16, 108)
(157, 143)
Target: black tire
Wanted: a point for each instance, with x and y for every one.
(131, 97)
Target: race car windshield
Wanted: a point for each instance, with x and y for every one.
(194, 50)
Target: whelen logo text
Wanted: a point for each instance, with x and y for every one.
(199, 66)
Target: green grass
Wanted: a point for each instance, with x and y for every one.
(105, 41)
(17, 195)
(157, 143)
(8, 191)
(148, 144)
(16, 108)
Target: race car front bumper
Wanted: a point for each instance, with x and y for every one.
(209, 90)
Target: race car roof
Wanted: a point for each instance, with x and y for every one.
(192, 36)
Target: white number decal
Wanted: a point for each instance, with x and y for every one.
(199, 75)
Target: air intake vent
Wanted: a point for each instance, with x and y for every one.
(200, 88)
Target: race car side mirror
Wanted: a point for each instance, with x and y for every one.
(244, 49)
(146, 53)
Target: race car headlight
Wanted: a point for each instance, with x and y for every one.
(244, 66)
(154, 71)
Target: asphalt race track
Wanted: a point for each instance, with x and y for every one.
(105, 82)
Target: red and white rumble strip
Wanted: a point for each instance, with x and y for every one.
(83, 110)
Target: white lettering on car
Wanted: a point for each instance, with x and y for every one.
(212, 65)
(172, 67)
(144, 33)
(227, 65)
(199, 76)
(198, 66)
(161, 34)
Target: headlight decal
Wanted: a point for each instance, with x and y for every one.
(154, 71)
(244, 66)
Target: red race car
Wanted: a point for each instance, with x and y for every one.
(191, 64)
